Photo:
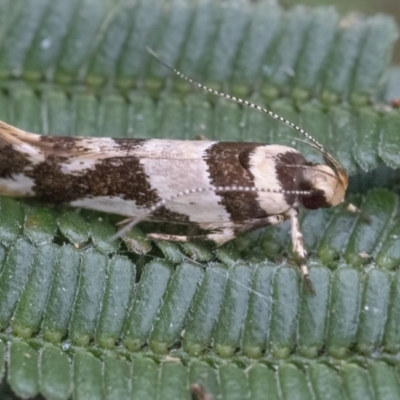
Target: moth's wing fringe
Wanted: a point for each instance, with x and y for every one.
(38, 145)
(9, 135)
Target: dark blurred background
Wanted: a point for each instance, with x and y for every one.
(391, 7)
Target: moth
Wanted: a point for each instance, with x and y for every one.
(222, 188)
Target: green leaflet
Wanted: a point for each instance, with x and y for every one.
(85, 318)
(298, 51)
(143, 377)
(258, 307)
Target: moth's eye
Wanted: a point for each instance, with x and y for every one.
(315, 200)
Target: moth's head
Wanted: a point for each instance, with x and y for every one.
(327, 183)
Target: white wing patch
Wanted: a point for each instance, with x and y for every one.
(262, 166)
(189, 170)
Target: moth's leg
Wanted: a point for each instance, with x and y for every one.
(223, 234)
(253, 224)
(352, 208)
(231, 232)
(218, 237)
(298, 247)
(172, 238)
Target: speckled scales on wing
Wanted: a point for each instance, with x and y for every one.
(127, 177)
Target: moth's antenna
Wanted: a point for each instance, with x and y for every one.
(131, 222)
(241, 101)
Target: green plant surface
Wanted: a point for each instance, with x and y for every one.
(85, 318)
